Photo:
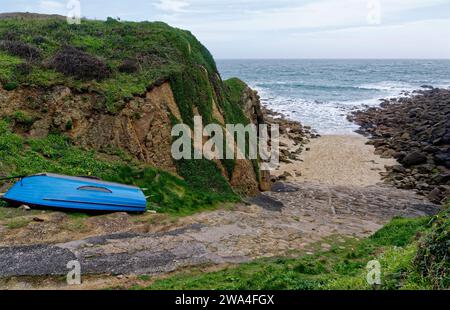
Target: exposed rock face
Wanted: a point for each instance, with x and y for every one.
(244, 178)
(291, 132)
(416, 131)
(293, 140)
(251, 106)
(142, 128)
(244, 175)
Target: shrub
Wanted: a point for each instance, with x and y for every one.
(129, 66)
(432, 260)
(23, 68)
(23, 118)
(17, 223)
(10, 86)
(81, 65)
(38, 40)
(10, 35)
(204, 174)
(234, 89)
(69, 125)
(20, 49)
(112, 21)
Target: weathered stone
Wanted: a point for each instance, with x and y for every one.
(414, 158)
(417, 131)
(435, 196)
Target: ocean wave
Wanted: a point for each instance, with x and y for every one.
(442, 84)
(389, 86)
(322, 93)
(384, 86)
(324, 117)
(269, 85)
(327, 117)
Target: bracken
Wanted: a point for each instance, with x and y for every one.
(20, 49)
(79, 64)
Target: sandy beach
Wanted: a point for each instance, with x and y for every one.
(338, 160)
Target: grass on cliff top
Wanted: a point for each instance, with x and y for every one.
(158, 50)
(343, 267)
(168, 193)
(235, 88)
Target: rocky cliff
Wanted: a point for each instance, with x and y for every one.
(142, 128)
(120, 87)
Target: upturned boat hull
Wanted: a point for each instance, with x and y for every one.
(76, 193)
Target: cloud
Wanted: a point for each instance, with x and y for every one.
(285, 28)
(419, 39)
(414, 40)
(175, 6)
(50, 5)
(306, 15)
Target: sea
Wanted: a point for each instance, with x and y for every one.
(321, 93)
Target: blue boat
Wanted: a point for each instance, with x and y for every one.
(76, 193)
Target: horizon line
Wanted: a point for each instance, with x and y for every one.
(325, 58)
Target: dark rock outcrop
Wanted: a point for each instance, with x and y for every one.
(414, 158)
(416, 131)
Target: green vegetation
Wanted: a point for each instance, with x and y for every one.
(168, 193)
(158, 50)
(343, 266)
(17, 223)
(234, 114)
(23, 118)
(10, 213)
(433, 258)
(76, 222)
(8, 65)
(191, 89)
(117, 60)
(234, 89)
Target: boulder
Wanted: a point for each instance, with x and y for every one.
(436, 196)
(415, 130)
(443, 158)
(414, 158)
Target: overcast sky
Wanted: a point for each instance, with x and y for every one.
(286, 28)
